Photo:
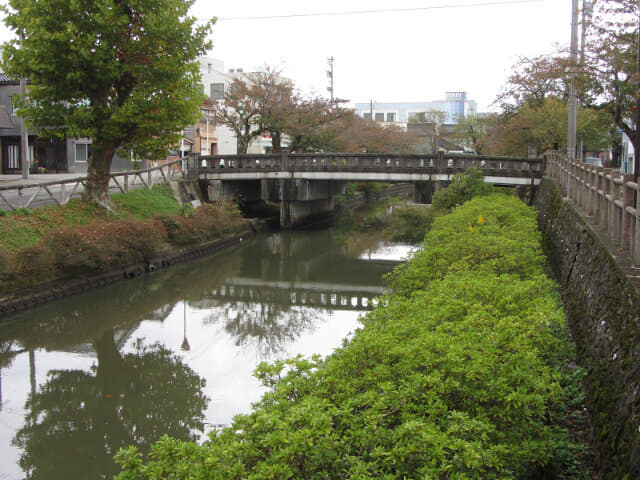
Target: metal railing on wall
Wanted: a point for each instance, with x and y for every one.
(604, 194)
(27, 195)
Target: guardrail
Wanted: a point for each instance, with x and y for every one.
(61, 191)
(365, 162)
(604, 194)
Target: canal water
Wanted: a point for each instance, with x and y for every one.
(173, 352)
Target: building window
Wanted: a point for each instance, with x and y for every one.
(209, 68)
(83, 152)
(217, 91)
(379, 117)
(13, 102)
(13, 157)
(366, 116)
(391, 117)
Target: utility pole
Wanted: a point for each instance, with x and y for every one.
(24, 135)
(573, 100)
(587, 12)
(636, 146)
(330, 75)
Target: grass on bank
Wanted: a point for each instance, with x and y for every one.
(58, 241)
(464, 374)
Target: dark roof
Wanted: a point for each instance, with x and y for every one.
(6, 80)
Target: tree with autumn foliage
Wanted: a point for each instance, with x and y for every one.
(121, 72)
(534, 111)
(354, 134)
(607, 74)
(609, 78)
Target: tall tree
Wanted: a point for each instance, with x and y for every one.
(239, 109)
(265, 102)
(611, 73)
(121, 72)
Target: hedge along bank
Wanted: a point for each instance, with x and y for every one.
(461, 375)
(62, 250)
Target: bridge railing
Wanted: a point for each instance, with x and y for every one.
(604, 194)
(367, 162)
(61, 191)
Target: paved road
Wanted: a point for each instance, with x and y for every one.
(16, 180)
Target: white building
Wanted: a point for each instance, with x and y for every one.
(452, 108)
(214, 83)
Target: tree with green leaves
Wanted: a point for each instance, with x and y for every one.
(121, 72)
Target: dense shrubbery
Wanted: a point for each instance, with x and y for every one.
(195, 225)
(409, 223)
(461, 376)
(462, 187)
(54, 242)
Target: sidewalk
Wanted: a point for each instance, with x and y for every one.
(37, 178)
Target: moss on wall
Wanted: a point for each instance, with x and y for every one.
(603, 310)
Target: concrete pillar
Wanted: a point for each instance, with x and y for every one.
(287, 195)
(423, 192)
(628, 200)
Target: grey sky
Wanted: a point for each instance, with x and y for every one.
(392, 56)
(415, 55)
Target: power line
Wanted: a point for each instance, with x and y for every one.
(365, 12)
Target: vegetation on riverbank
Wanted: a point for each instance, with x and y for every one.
(465, 373)
(53, 242)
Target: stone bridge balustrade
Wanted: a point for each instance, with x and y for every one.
(604, 194)
(305, 184)
(365, 162)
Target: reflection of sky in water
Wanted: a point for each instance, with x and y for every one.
(228, 367)
(390, 252)
(225, 338)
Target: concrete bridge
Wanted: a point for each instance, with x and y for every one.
(305, 184)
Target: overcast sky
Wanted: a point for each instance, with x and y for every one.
(417, 54)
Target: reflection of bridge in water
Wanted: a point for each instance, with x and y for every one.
(301, 270)
(311, 294)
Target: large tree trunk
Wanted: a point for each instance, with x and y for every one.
(97, 188)
(243, 145)
(276, 142)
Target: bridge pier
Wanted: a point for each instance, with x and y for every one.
(423, 192)
(301, 199)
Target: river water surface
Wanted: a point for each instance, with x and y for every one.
(172, 352)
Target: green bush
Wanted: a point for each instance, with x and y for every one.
(495, 233)
(460, 375)
(463, 187)
(409, 224)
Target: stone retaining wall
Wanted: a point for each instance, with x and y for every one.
(603, 310)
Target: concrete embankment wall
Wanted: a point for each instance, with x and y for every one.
(603, 309)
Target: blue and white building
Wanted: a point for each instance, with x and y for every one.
(455, 106)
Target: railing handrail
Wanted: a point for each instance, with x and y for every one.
(65, 195)
(417, 156)
(609, 197)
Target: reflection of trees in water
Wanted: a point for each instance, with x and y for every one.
(269, 327)
(79, 420)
